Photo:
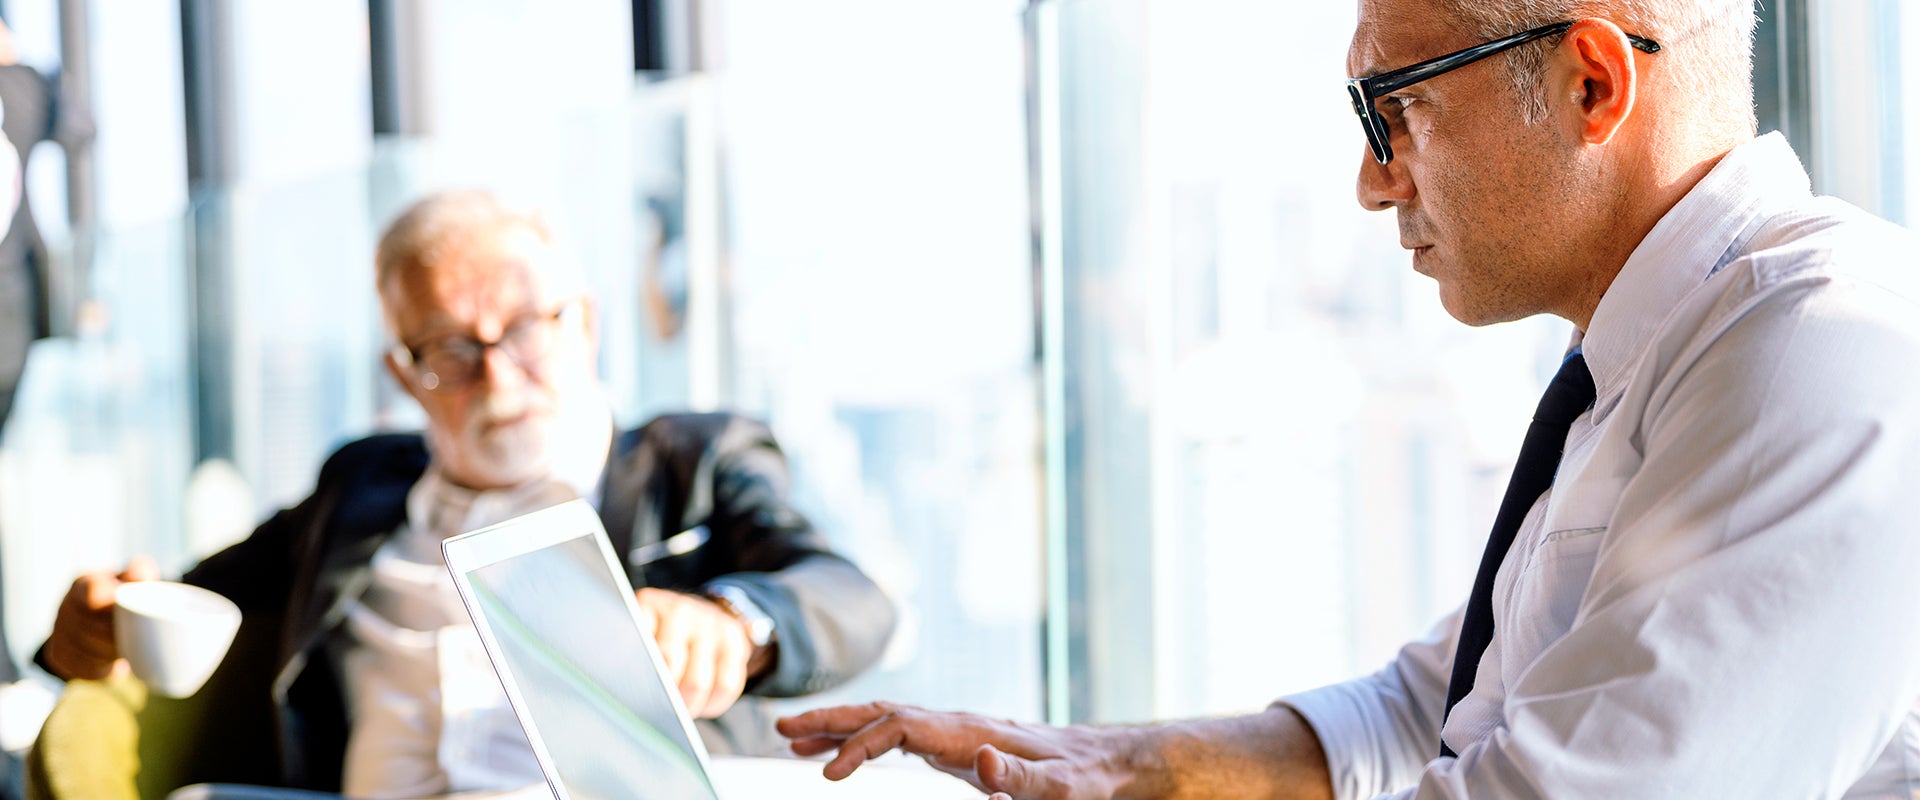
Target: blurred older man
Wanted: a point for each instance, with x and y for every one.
(1700, 583)
(352, 667)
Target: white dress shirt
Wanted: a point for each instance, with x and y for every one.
(1716, 598)
(428, 714)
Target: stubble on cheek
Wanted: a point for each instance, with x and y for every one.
(1482, 217)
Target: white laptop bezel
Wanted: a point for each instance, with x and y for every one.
(524, 534)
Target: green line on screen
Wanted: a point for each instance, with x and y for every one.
(504, 620)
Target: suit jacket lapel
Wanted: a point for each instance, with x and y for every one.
(630, 522)
(337, 555)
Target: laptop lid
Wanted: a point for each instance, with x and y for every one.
(561, 626)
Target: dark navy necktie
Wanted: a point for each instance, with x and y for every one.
(1570, 393)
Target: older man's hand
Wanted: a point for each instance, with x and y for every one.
(707, 650)
(1009, 759)
(81, 644)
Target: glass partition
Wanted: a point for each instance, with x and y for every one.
(1863, 76)
(829, 238)
(879, 309)
(98, 449)
(1280, 453)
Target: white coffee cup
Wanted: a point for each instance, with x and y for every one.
(172, 634)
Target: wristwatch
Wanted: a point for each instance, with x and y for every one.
(736, 602)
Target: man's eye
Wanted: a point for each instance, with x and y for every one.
(455, 349)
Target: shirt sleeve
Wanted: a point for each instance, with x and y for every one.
(1379, 730)
(1748, 630)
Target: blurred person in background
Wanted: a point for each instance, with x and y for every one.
(19, 302)
(31, 112)
(336, 680)
(1700, 582)
(35, 113)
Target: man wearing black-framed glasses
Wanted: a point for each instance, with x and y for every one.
(354, 668)
(1698, 583)
(1365, 91)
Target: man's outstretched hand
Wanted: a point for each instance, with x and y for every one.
(1010, 759)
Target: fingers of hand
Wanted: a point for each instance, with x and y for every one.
(931, 736)
(814, 746)
(81, 644)
(73, 663)
(835, 722)
(79, 659)
(729, 677)
(94, 592)
(672, 639)
(705, 650)
(672, 630)
(696, 683)
(965, 773)
(716, 675)
(140, 568)
(865, 732)
(959, 744)
(998, 771)
(1011, 776)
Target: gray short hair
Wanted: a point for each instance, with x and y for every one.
(1708, 45)
(439, 226)
(444, 226)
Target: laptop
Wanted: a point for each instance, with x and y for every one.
(560, 623)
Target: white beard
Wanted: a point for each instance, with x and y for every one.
(543, 463)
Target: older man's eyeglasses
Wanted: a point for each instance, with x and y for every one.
(1363, 91)
(451, 362)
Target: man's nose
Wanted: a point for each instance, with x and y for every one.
(498, 368)
(1382, 186)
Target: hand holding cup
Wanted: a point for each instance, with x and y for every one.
(171, 635)
(81, 645)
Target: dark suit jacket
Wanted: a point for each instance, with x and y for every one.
(30, 118)
(274, 713)
(28, 98)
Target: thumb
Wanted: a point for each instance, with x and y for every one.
(140, 568)
(1009, 774)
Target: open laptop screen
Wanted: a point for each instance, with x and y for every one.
(558, 619)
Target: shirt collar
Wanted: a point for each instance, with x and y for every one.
(1708, 229)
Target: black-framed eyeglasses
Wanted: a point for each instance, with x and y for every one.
(450, 362)
(1363, 91)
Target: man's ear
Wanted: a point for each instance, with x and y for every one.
(1603, 78)
(400, 376)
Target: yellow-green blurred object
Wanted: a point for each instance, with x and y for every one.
(110, 740)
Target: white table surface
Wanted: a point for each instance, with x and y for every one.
(749, 778)
(894, 777)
